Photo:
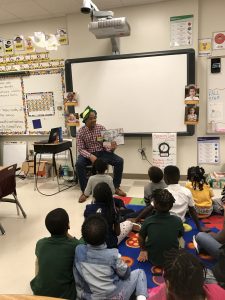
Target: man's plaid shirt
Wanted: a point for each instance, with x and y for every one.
(90, 140)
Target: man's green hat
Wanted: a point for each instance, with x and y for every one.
(85, 114)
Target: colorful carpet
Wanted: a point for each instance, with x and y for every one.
(129, 248)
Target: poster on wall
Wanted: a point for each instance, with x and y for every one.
(72, 119)
(62, 36)
(40, 104)
(204, 47)
(164, 149)
(8, 46)
(181, 31)
(191, 115)
(29, 46)
(215, 107)
(208, 150)
(219, 40)
(19, 43)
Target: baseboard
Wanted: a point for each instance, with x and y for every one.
(145, 176)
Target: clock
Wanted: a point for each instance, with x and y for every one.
(164, 149)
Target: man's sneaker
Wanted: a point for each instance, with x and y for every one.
(195, 244)
(120, 193)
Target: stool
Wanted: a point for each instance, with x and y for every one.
(90, 171)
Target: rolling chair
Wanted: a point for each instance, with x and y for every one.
(8, 187)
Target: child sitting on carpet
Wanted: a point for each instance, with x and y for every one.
(201, 191)
(105, 206)
(156, 182)
(100, 167)
(99, 272)
(184, 276)
(161, 231)
(55, 255)
(182, 196)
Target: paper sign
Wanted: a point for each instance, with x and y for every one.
(208, 150)
(164, 149)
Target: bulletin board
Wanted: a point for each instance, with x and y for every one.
(141, 93)
(216, 99)
(28, 102)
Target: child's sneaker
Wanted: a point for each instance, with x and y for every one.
(136, 227)
(141, 297)
(187, 227)
(195, 244)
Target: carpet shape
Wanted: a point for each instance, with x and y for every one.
(215, 221)
(126, 200)
(129, 248)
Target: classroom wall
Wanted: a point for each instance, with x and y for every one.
(150, 31)
(211, 19)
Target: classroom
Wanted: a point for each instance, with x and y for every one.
(150, 24)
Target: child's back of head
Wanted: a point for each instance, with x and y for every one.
(163, 200)
(171, 174)
(184, 274)
(155, 174)
(102, 193)
(94, 230)
(103, 196)
(100, 166)
(57, 221)
(197, 177)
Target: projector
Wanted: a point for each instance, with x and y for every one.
(107, 28)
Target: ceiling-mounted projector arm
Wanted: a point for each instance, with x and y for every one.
(106, 14)
(88, 7)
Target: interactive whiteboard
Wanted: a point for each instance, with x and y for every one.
(141, 93)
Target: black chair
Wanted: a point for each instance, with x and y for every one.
(90, 170)
(8, 187)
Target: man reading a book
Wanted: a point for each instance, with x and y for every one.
(90, 147)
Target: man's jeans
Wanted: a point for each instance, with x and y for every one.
(110, 158)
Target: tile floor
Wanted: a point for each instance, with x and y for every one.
(17, 246)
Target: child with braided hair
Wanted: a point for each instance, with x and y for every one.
(201, 192)
(161, 231)
(184, 276)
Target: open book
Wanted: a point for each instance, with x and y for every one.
(113, 135)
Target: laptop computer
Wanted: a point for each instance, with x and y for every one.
(55, 133)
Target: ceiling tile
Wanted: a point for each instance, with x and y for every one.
(140, 2)
(25, 9)
(5, 15)
(58, 6)
(108, 4)
(15, 2)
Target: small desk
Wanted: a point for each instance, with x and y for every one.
(41, 148)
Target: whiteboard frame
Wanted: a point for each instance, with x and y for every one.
(190, 76)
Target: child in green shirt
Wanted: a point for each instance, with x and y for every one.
(161, 231)
(55, 255)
